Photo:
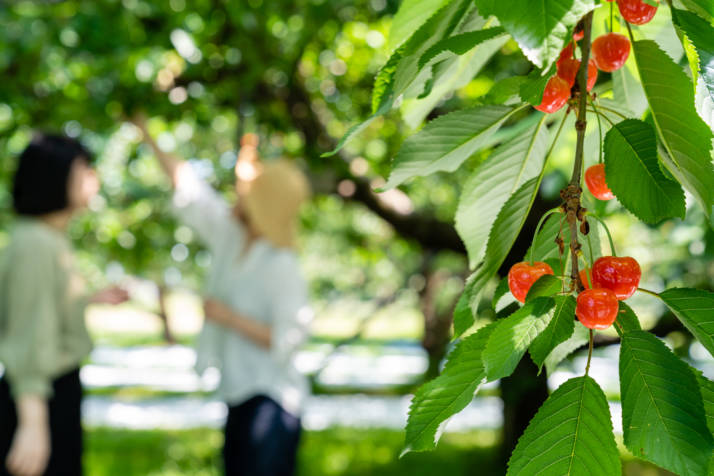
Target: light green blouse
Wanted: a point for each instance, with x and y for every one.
(42, 302)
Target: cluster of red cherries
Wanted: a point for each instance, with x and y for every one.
(609, 53)
(611, 279)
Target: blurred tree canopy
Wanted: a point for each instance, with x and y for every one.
(298, 73)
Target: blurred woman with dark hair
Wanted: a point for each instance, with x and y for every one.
(43, 338)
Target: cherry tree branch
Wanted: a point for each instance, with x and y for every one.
(571, 194)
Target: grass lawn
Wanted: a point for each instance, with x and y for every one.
(339, 451)
(332, 452)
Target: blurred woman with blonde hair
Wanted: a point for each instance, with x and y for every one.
(256, 305)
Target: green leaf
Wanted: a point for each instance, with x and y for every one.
(701, 34)
(628, 92)
(463, 317)
(351, 132)
(545, 286)
(706, 387)
(505, 90)
(500, 291)
(532, 88)
(513, 335)
(383, 89)
(579, 338)
(559, 330)
(504, 232)
(447, 394)
(454, 72)
(409, 77)
(444, 143)
(704, 104)
(411, 16)
(695, 308)
(544, 245)
(570, 435)
(493, 182)
(685, 136)
(400, 71)
(626, 320)
(663, 416)
(704, 8)
(633, 173)
(460, 44)
(540, 28)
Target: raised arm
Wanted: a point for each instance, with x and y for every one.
(195, 202)
(170, 163)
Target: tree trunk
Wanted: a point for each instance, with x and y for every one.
(437, 323)
(522, 394)
(525, 391)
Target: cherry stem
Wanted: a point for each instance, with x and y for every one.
(540, 223)
(629, 32)
(590, 352)
(611, 15)
(565, 267)
(592, 258)
(614, 111)
(599, 129)
(647, 291)
(607, 230)
(560, 253)
(590, 248)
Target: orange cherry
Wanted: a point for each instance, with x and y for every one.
(597, 308)
(522, 275)
(568, 66)
(610, 51)
(621, 275)
(595, 181)
(555, 95)
(636, 12)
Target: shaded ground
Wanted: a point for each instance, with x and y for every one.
(339, 451)
(133, 377)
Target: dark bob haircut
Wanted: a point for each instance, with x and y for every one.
(40, 183)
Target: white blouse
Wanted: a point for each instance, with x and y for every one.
(264, 284)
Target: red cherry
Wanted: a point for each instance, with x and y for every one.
(567, 52)
(595, 180)
(619, 275)
(592, 74)
(568, 70)
(556, 94)
(597, 308)
(610, 51)
(567, 65)
(578, 35)
(636, 12)
(522, 276)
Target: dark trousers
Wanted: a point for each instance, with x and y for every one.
(261, 439)
(65, 426)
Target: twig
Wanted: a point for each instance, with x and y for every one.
(590, 352)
